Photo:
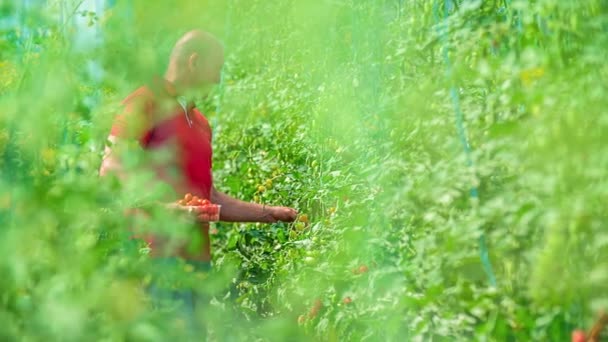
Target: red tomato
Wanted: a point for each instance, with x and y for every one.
(205, 201)
(314, 311)
(578, 336)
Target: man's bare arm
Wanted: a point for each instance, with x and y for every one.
(110, 162)
(234, 210)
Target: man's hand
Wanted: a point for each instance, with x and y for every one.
(234, 210)
(281, 214)
(194, 211)
(187, 209)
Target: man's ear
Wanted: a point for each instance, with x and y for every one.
(193, 61)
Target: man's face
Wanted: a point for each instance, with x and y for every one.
(207, 73)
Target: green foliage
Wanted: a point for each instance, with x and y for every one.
(343, 110)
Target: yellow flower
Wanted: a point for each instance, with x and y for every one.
(530, 75)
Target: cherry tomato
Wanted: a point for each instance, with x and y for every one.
(316, 307)
(363, 269)
(578, 336)
(188, 197)
(182, 202)
(347, 300)
(313, 313)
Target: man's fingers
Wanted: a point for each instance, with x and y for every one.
(290, 214)
(284, 214)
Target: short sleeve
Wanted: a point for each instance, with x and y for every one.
(133, 121)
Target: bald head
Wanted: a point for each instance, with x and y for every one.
(196, 60)
(196, 41)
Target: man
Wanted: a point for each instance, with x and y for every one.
(161, 117)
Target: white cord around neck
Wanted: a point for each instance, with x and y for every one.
(183, 103)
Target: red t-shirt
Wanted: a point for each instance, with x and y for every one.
(154, 116)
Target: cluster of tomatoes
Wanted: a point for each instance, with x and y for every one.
(206, 210)
(314, 311)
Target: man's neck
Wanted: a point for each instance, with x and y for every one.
(176, 83)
